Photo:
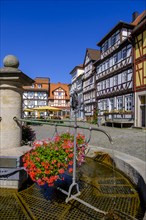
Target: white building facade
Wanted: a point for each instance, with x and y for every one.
(77, 86)
(89, 80)
(114, 76)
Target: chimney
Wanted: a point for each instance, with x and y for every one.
(134, 15)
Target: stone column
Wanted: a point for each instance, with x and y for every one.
(12, 81)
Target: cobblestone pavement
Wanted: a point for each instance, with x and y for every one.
(131, 141)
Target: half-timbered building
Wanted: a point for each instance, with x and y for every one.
(89, 88)
(114, 76)
(59, 97)
(35, 95)
(139, 42)
(77, 86)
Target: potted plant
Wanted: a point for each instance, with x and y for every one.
(49, 159)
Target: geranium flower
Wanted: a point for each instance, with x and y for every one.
(49, 159)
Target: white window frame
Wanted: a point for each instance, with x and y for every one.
(128, 103)
(120, 103)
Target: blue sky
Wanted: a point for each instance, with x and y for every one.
(50, 37)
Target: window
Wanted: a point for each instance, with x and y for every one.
(59, 93)
(104, 84)
(115, 58)
(124, 53)
(105, 105)
(30, 103)
(30, 94)
(41, 103)
(39, 86)
(97, 70)
(111, 104)
(32, 86)
(128, 103)
(106, 46)
(108, 64)
(101, 85)
(107, 83)
(115, 80)
(113, 40)
(124, 77)
(119, 103)
(91, 80)
(40, 95)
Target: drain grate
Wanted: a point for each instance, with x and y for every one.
(107, 193)
(10, 206)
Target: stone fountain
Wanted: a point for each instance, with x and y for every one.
(12, 81)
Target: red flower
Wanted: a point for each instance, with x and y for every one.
(61, 171)
(70, 162)
(50, 158)
(70, 170)
(70, 155)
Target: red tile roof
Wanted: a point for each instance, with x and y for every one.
(39, 80)
(55, 86)
(139, 18)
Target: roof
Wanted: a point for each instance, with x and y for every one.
(80, 66)
(123, 24)
(94, 54)
(141, 24)
(39, 80)
(139, 18)
(113, 30)
(55, 86)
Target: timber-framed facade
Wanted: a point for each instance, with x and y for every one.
(77, 86)
(139, 38)
(114, 76)
(35, 95)
(89, 88)
(59, 97)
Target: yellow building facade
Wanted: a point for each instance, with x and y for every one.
(139, 36)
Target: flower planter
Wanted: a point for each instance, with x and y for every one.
(49, 159)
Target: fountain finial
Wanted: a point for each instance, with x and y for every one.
(11, 61)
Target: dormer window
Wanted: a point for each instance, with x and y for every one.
(39, 86)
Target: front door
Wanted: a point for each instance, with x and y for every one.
(143, 115)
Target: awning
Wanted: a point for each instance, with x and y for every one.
(47, 108)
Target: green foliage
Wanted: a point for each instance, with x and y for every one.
(28, 134)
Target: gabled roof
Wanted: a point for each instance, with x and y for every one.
(55, 86)
(139, 18)
(141, 24)
(80, 66)
(42, 80)
(118, 26)
(93, 54)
